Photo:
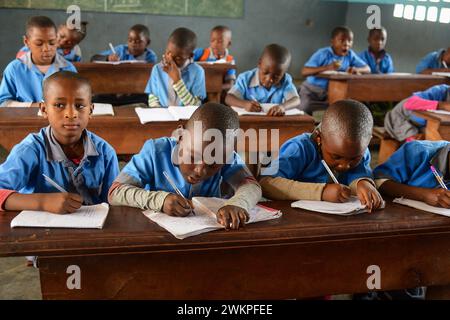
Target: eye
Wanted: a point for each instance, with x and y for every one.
(80, 106)
(59, 105)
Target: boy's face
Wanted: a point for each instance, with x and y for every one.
(42, 43)
(377, 41)
(68, 108)
(219, 42)
(67, 39)
(340, 154)
(270, 73)
(137, 43)
(342, 43)
(179, 55)
(446, 57)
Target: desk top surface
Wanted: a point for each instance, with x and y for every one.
(394, 76)
(84, 66)
(128, 230)
(444, 119)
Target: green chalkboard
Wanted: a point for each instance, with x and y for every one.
(209, 8)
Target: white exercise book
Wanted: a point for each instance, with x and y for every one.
(265, 108)
(422, 206)
(87, 217)
(204, 219)
(441, 74)
(147, 115)
(121, 62)
(443, 112)
(349, 208)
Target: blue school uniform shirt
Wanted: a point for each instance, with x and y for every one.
(73, 55)
(22, 80)
(40, 153)
(300, 160)
(124, 54)
(431, 61)
(145, 170)
(326, 56)
(384, 65)
(160, 83)
(411, 163)
(248, 87)
(207, 54)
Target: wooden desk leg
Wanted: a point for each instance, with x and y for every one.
(337, 90)
(432, 130)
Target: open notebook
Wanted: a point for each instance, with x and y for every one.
(349, 208)
(423, 206)
(147, 115)
(265, 108)
(205, 218)
(87, 217)
(100, 109)
(121, 62)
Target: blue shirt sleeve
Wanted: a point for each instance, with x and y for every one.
(236, 169)
(240, 86)
(151, 57)
(8, 89)
(150, 89)
(140, 168)
(292, 160)
(362, 170)
(198, 53)
(436, 93)
(289, 88)
(356, 61)
(426, 62)
(390, 68)
(318, 59)
(199, 85)
(111, 171)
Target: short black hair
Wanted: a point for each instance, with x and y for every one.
(140, 28)
(81, 33)
(215, 116)
(223, 29)
(39, 22)
(184, 38)
(279, 54)
(69, 75)
(375, 30)
(348, 119)
(341, 29)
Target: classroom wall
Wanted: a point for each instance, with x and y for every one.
(264, 22)
(408, 41)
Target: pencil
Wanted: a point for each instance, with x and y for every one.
(330, 172)
(54, 184)
(438, 178)
(175, 188)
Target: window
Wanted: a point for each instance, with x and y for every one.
(424, 10)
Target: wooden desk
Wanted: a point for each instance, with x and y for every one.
(127, 135)
(437, 127)
(430, 71)
(299, 255)
(132, 78)
(376, 88)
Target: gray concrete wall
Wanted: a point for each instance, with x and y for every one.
(265, 21)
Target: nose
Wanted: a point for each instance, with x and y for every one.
(71, 113)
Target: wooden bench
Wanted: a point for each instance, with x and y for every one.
(388, 145)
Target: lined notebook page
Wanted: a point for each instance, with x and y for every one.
(87, 217)
(422, 206)
(265, 108)
(352, 207)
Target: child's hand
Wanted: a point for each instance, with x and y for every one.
(232, 217)
(353, 70)
(336, 193)
(171, 68)
(113, 57)
(334, 66)
(276, 111)
(437, 198)
(176, 206)
(252, 106)
(61, 203)
(369, 195)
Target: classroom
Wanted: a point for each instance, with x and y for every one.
(177, 142)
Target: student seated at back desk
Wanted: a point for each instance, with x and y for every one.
(68, 42)
(376, 56)
(80, 162)
(23, 77)
(268, 83)
(341, 142)
(142, 183)
(403, 125)
(177, 80)
(435, 60)
(338, 57)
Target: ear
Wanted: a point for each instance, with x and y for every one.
(318, 136)
(191, 56)
(229, 44)
(92, 106)
(259, 62)
(178, 133)
(43, 108)
(148, 42)
(25, 40)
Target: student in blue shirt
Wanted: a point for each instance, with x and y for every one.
(79, 161)
(435, 60)
(268, 83)
(341, 141)
(407, 173)
(177, 80)
(403, 125)
(22, 78)
(338, 57)
(190, 163)
(136, 49)
(376, 56)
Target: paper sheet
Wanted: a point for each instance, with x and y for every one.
(422, 206)
(265, 108)
(352, 207)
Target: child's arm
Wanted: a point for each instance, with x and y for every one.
(360, 70)
(312, 71)
(252, 106)
(59, 203)
(153, 101)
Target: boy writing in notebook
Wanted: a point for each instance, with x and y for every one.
(337, 57)
(77, 160)
(220, 42)
(341, 141)
(23, 77)
(409, 173)
(135, 49)
(376, 56)
(177, 80)
(439, 59)
(68, 42)
(268, 83)
(403, 125)
(142, 183)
